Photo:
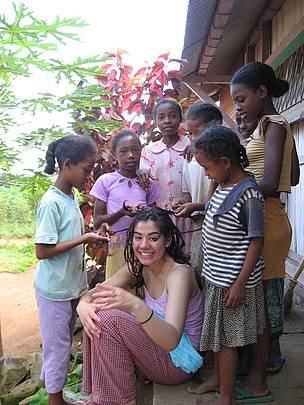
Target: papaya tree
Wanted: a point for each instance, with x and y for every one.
(27, 45)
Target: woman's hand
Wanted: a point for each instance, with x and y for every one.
(109, 297)
(234, 297)
(88, 317)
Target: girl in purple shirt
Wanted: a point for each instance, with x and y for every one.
(118, 196)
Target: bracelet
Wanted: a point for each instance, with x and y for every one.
(147, 320)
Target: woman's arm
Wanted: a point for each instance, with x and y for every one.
(275, 136)
(87, 309)
(165, 333)
(295, 167)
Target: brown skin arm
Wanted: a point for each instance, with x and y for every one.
(235, 295)
(275, 136)
(101, 216)
(45, 251)
(295, 167)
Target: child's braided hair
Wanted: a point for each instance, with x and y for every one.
(73, 147)
(218, 142)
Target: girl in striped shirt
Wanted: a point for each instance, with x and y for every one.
(233, 232)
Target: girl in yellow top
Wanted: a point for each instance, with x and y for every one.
(270, 155)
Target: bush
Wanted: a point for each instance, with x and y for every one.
(17, 213)
(17, 257)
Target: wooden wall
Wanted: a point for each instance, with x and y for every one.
(295, 200)
(226, 103)
(285, 19)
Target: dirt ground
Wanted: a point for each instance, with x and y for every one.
(18, 313)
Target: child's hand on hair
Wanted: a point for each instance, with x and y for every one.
(142, 207)
(128, 209)
(105, 230)
(95, 237)
(184, 210)
(187, 153)
(178, 203)
(143, 178)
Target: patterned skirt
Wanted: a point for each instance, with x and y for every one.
(115, 260)
(232, 327)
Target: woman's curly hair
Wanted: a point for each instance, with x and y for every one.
(170, 232)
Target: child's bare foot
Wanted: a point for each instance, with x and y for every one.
(210, 385)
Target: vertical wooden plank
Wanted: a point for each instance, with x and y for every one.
(258, 50)
(295, 204)
(266, 40)
(250, 54)
(297, 10)
(288, 16)
(274, 42)
(280, 27)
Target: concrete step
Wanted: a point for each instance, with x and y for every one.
(287, 387)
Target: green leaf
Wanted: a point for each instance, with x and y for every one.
(40, 398)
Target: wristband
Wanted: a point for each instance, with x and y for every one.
(147, 320)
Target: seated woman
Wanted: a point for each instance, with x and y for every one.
(157, 335)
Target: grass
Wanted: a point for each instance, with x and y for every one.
(14, 230)
(17, 257)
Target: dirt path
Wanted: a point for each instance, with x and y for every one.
(18, 313)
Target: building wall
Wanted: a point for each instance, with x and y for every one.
(226, 102)
(282, 23)
(286, 18)
(295, 200)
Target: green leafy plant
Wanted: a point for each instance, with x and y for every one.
(26, 46)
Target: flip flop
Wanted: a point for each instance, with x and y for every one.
(247, 397)
(277, 362)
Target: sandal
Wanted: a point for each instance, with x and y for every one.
(245, 396)
(274, 364)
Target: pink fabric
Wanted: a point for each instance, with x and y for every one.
(111, 360)
(114, 189)
(195, 314)
(166, 167)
